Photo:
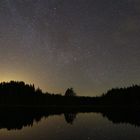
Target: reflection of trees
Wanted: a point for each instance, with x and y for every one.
(70, 117)
(117, 117)
(19, 118)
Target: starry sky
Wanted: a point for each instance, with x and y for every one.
(90, 45)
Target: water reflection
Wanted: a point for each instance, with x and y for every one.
(117, 117)
(17, 118)
(70, 117)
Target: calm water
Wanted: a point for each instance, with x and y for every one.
(71, 126)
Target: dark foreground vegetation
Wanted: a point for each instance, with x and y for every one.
(20, 94)
(21, 105)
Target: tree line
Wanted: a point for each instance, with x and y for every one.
(122, 96)
(20, 94)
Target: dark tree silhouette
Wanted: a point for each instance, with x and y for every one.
(70, 92)
(122, 96)
(32, 104)
(16, 93)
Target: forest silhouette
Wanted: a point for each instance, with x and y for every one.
(22, 104)
(17, 93)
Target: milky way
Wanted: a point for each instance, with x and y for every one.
(90, 45)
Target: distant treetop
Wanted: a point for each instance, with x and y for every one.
(70, 92)
(16, 87)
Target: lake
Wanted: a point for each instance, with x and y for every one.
(72, 126)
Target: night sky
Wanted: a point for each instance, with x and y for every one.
(90, 45)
